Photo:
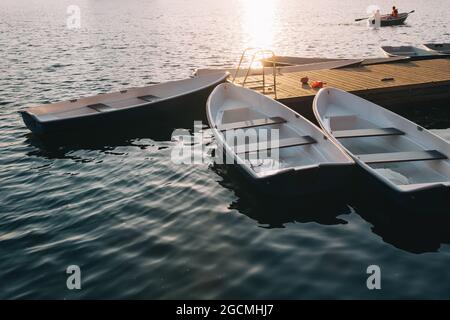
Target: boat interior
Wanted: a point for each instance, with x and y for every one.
(401, 15)
(409, 51)
(266, 150)
(391, 152)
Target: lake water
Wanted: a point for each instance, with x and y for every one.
(140, 226)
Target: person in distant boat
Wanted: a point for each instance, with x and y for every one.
(394, 12)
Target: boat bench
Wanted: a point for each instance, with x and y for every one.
(100, 107)
(391, 157)
(149, 98)
(130, 102)
(250, 123)
(283, 143)
(359, 133)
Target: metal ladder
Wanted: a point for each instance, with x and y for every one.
(265, 54)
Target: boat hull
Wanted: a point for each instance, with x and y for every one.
(186, 107)
(304, 182)
(412, 53)
(389, 21)
(430, 200)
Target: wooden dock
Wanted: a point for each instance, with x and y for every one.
(390, 85)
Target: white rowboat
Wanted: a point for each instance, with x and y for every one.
(408, 51)
(400, 154)
(259, 126)
(124, 108)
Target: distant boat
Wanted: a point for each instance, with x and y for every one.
(333, 64)
(388, 20)
(438, 47)
(283, 61)
(403, 156)
(307, 162)
(124, 108)
(410, 51)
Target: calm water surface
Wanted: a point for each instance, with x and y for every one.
(140, 226)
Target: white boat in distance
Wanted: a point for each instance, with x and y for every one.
(119, 109)
(305, 160)
(403, 156)
(410, 51)
(443, 48)
(296, 61)
(388, 20)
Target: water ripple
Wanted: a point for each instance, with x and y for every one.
(140, 226)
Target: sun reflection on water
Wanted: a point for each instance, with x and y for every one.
(258, 22)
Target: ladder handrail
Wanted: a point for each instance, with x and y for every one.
(240, 61)
(263, 52)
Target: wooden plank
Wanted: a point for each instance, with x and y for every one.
(342, 81)
(375, 61)
(365, 80)
(436, 64)
(409, 75)
(410, 71)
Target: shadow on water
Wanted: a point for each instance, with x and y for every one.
(434, 116)
(275, 212)
(415, 232)
(418, 228)
(59, 146)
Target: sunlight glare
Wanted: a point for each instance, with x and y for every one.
(258, 22)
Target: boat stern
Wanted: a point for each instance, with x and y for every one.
(316, 179)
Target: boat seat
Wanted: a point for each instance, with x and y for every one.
(100, 107)
(390, 157)
(236, 114)
(283, 143)
(250, 123)
(358, 133)
(149, 98)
